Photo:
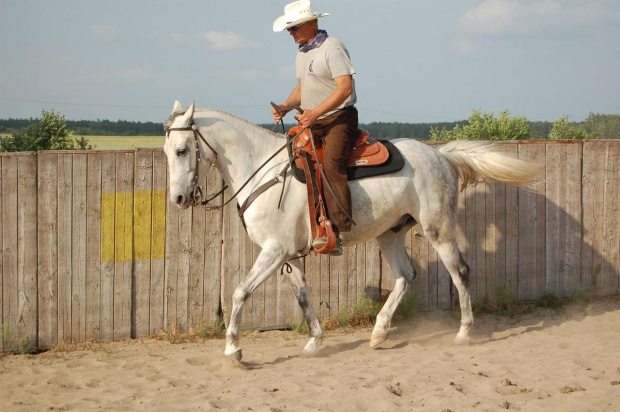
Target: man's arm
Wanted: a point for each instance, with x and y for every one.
(344, 89)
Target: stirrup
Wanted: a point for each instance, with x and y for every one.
(320, 243)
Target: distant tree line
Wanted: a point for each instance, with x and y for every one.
(52, 131)
(92, 127)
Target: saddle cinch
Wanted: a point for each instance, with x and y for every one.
(365, 152)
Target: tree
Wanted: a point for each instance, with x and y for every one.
(563, 129)
(49, 133)
(605, 126)
(484, 126)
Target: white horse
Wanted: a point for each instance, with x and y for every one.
(424, 192)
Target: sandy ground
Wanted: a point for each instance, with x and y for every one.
(567, 360)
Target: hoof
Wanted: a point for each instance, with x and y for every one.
(310, 350)
(309, 353)
(378, 338)
(462, 341)
(235, 356)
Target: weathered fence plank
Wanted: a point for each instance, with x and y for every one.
(78, 247)
(142, 234)
(65, 199)
(171, 268)
(611, 222)
(510, 234)
(531, 230)
(93, 248)
(158, 244)
(123, 245)
(593, 197)
(27, 250)
(563, 211)
(10, 304)
(47, 247)
(108, 258)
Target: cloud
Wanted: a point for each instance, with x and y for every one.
(215, 41)
(501, 19)
(103, 31)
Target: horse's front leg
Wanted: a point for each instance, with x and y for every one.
(268, 261)
(298, 283)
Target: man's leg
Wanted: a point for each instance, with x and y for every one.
(339, 136)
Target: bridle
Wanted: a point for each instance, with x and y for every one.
(197, 194)
(197, 190)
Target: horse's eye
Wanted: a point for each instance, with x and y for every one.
(181, 152)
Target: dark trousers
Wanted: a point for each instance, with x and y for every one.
(338, 132)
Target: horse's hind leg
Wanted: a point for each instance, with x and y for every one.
(447, 248)
(298, 283)
(393, 249)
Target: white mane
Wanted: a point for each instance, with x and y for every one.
(219, 113)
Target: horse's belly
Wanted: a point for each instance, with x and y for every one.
(380, 204)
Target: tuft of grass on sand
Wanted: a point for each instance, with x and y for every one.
(362, 314)
(505, 304)
(22, 345)
(203, 331)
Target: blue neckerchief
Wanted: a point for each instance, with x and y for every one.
(314, 43)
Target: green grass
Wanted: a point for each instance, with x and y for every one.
(505, 304)
(119, 142)
(16, 344)
(362, 314)
(125, 142)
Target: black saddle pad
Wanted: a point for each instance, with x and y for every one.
(394, 163)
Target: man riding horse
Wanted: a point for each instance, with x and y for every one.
(325, 91)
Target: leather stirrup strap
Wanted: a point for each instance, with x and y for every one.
(319, 224)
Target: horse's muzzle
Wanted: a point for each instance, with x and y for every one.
(182, 201)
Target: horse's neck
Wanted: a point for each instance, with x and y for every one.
(242, 148)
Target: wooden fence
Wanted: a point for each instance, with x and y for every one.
(92, 250)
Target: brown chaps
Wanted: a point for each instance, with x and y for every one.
(338, 132)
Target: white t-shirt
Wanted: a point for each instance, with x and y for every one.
(316, 70)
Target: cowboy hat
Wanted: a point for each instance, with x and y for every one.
(296, 13)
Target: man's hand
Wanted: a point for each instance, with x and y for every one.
(308, 118)
(277, 115)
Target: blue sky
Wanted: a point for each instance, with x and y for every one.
(416, 61)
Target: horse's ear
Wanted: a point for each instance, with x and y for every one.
(189, 114)
(177, 107)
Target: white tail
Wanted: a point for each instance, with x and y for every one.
(476, 162)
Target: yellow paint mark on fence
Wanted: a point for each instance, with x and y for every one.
(133, 225)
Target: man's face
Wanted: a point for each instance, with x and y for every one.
(304, 33)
